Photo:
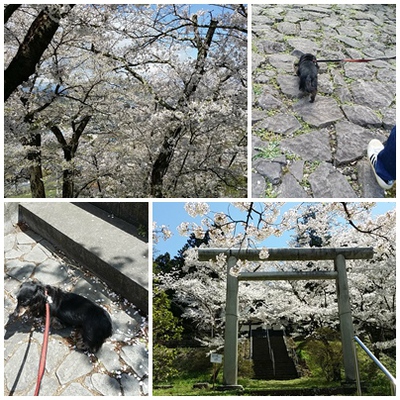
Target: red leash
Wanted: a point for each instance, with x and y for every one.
(361, 60)
(42, 363)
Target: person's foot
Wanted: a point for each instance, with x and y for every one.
(374, 148)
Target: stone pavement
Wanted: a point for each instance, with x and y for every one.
(303, 149)
(121, 365)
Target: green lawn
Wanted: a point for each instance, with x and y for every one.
(184, 387)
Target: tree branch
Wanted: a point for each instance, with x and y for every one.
(36, 41)
(350, 221)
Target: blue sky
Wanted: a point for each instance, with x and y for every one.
(172, 214)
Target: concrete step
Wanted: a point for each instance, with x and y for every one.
(117, 257)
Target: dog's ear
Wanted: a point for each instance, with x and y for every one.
(38, 295)
(297, 53)
(33, 296)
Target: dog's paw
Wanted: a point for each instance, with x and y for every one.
(56, 323)
(76, 336)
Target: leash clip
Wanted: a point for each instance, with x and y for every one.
(48, 298)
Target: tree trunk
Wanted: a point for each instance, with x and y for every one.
(30, 51)
(68, 184)
(36, 182)
(69, 150)
(9, 11)
(35, 169)
(160, 166)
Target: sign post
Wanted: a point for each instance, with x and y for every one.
(215, 359)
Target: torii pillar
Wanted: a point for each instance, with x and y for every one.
(231, 328)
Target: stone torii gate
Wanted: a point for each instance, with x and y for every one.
(338, 255)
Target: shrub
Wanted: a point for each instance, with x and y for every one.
(325, 354)
(163, 363)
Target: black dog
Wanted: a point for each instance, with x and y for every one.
(307, 70)
(93, 323)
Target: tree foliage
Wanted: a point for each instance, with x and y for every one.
(126, 100)
(166, 328)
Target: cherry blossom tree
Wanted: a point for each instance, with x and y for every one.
(129, 100)
(302, 306)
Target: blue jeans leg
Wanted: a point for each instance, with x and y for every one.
(386, 161)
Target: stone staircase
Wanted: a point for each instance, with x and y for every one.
(282, 368)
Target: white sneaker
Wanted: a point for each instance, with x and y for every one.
(374, 148)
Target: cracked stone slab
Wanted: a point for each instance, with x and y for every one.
(268, 102)
(57, 350)
(14, 341)
(359, 71)
(18, 270)
(256, 143)
(304, 45)
(75, 389)
(282, 62)
(257, 116)
(13, 253)
(297, 169)
(389, 118)
(289, 85)
(317, 9)
(131, 385)
(368, 183)
(258, 186)
(291, 188)
(309, 146)
(361, 115)
(350, 42)
(36, 255)
(51, 272)
(109, 358)
(23, 238)
(9, 242)
(265, 77)
(287, 28)
(374, 95)
(104, 384)
(74, 366)
(320, 114)
(257, 60)
(282, 124)
(136, 357)
(29, 372)
(271, 47)
(352, 141)
(328, 182)
(325, 84)
(48, 386)
(270, 170)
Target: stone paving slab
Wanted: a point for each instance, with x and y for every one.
(355, 102)
(121, 365)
